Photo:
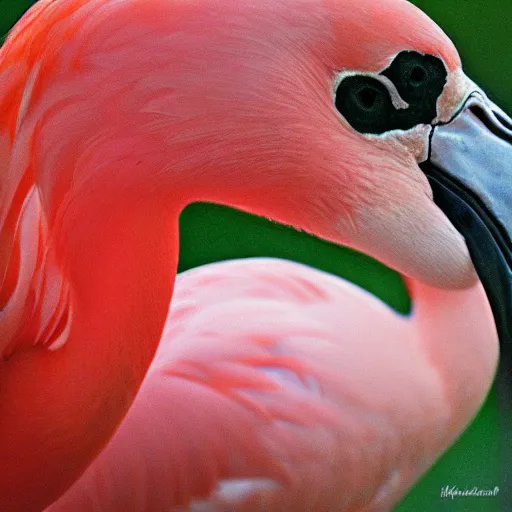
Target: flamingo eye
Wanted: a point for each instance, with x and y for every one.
(365, 103)
(418, 78)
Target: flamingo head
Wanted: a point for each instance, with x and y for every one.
(354, 121)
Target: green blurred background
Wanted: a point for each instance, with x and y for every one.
(482, 32)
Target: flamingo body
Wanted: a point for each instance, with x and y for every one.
(277, 387)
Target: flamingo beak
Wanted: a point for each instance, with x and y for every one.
(470, 171)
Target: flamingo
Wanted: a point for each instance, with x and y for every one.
(273, 386)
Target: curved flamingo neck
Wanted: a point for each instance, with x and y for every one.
(457, 330)
(120, 263)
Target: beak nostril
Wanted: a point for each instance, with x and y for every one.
(507, 122)
(496, 122)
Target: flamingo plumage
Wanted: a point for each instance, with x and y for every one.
(290, 391)
(116, 115)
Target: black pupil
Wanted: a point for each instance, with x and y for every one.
(418, 75)
(367, 97)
